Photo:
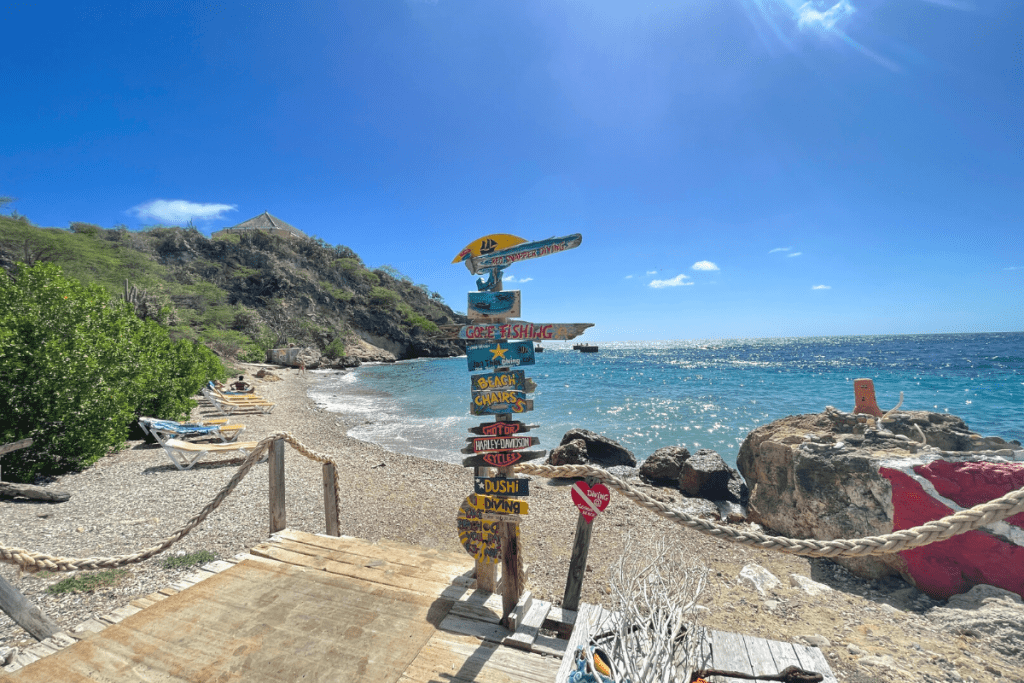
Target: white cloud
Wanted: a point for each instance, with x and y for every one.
(779, 249)
(677, 281)
(795, 253)
(180, 211)
(822, 287)
(526, 279)
(704, 265)
(809, 16)
(652, 272)
(1014, 268)
(512, 278)
(629, 277)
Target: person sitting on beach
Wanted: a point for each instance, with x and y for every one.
(242, 385)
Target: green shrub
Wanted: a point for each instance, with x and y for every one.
(383, 297)
(417, 320)
(76, 368)
(336, 349)
(86, 583)
(188, 559)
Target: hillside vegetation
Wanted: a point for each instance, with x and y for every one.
(242, 295)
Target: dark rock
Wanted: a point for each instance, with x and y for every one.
(663, 467)
(601, 450)
(571, 453)
(706, 475)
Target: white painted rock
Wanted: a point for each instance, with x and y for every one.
(807, 585)
(758, 578)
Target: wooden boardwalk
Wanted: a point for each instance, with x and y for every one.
(321, 608)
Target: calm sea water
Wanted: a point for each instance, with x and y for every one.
(707, 394)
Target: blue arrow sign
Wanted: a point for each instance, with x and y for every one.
(501, 354)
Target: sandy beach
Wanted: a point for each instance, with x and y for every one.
(129, 500)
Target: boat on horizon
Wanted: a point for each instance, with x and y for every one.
(585, 348)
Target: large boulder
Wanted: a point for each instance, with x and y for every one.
(836, 475)
(985, 612)
(664, 465)
(600, 449)
(706, 475)
(572, 453)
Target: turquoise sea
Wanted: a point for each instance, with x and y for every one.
(700, 394)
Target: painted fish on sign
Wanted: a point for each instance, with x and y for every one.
(500, 443)
(489, 305)
(497, 486)
(499, 403)
(522, 252)
(502, 428)
(518, 329)
(499, 355)
(501, 506)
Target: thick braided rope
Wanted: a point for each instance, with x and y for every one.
(33, 562)
(938, 530)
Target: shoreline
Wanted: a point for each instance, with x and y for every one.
(134, 497)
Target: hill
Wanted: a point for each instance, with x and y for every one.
(244, 294)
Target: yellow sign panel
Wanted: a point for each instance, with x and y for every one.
(486, 245)
(500, 506)
(479, 536)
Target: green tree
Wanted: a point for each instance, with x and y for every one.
(76, 368)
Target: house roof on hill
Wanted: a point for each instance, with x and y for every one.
(267, 222)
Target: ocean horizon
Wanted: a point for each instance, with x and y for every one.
(697, 394)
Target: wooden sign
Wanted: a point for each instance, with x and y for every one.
(499, 355)
(499, 486)
(501, 458)
(478, 536)
(518, 329)
(521, 252)
(500, 443)
(500, 403)
(488, 245)
(514, 380)
(489, 305)
(493, 505)
(502, 428)
(590, 499)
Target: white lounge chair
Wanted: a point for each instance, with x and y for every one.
(185, 454)
(161, 430)
(228, 406)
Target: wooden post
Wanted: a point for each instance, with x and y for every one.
(331, 501)
(276, 466)
(511, 560)
(24, 613)
(578, 562)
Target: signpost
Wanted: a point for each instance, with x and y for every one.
(500, 443)
(500, 354)
(501, 458)
(518, 329)
(488, 520)
(486, 306)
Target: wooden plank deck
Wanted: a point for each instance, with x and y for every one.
(308, 608)
(321, 608)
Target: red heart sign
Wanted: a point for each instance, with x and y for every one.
(590, 499)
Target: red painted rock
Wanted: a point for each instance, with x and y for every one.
(829, 476)
(590, 499)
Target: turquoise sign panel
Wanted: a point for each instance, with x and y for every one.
(501, 354)
(498, 381)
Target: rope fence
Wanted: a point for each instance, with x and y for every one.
(932, 532)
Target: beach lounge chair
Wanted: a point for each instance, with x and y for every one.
(185, 454)
(161, 430)
(228, 406)
(233, 395)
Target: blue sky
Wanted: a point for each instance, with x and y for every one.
(738, 168)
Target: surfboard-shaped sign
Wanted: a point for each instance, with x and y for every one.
(502, 428)
(501, 506)
(486, 306)
(501, 458)
(501, 487)
(487, 245)
(499, 443)
(518, 329)
(521, 252)
(501, 354)
(500, 403)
